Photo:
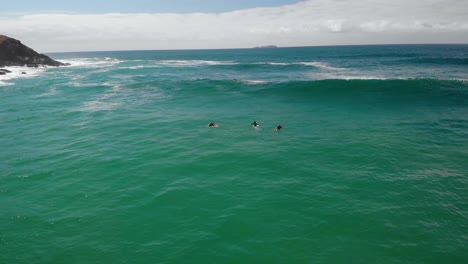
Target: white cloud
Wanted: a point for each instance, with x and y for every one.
(313, 22)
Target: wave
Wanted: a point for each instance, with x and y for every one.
(321, 65)
(188, 63)
(420, 90)
(254, 82)
(333, 83)
(316, 64)
(102, 102)
(51, 91)
(438, 61)
(92, 62)
(3, 83)
(205, 86)
(274, 63)
(96, 62)
(379, 75)
(103, 62)
(18, 72)
(348, 76)
(135, 67)
(194, 62)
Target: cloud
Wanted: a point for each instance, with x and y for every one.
(312, 22)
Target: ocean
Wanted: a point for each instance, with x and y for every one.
(111, 160)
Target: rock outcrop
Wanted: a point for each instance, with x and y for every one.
(4, 71)
(14, 53)
(266, 47)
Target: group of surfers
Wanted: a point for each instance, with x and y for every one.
(254, 124)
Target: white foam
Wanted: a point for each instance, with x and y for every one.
(80, 80)
(135, 67)
(101, 103)
(316, 64)
(78, 84)
(322, 65)
(345, 76)
(254, 82)
(194, 62)
(92, 62)
(17, 72)
(275, 63)
(51, 91)
(93, 106)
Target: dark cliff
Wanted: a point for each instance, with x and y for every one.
(14, 53)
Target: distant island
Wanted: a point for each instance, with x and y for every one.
(266, 47)
(14, 53)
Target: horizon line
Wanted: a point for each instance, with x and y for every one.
(260, 47)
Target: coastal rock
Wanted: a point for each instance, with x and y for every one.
(14, 53)
(266, 47)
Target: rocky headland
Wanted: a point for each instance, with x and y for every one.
(266, 47)
(15, 53)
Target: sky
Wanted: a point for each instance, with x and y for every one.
(136, 6)
(85, 25)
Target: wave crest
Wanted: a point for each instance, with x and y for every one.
(194, 62)
(316, 64)
(16, 72)
(92, 62)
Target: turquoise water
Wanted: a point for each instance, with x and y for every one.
(110, 160)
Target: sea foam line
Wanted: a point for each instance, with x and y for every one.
(92, 62)
(254, 82)
(17, 72)
(100, 104)
(194, 62)
(316, 64)
(177, 63)
(322, 65)
(345, 76)
(275, 63)
(51, 91)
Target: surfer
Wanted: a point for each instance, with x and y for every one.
(255, 124)
(211, 124)
(277, 128)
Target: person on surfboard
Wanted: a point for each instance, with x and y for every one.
(211, 124)
(255, 124)
(277, 128)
